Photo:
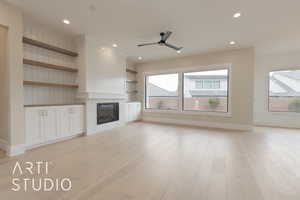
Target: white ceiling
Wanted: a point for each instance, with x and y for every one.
(197, 25)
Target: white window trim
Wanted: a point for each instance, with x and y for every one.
(180, 94)
(277, 113)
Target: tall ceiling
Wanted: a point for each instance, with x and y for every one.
(197, 25)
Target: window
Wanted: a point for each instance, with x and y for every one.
(217, 84)
(213, 96)
(284, 91)
(186, 91)
(162, 92)
(199, 84)
(207, 84)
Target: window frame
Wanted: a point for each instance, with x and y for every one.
(268, 93)
(228, 93)
(145, 89)
(180, 72)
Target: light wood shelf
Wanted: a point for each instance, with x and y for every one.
(44, 105)
(37, 83)
(131, 71)
(131, 81)
(50, 47)
(48, 65)
(132, 92)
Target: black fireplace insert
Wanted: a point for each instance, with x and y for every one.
(107, 112)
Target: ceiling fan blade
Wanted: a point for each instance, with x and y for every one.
(166, 35)
(173, 47)
(147, 44)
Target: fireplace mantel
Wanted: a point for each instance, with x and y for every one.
(101, 96)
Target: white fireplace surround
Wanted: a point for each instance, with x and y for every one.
(91, 100)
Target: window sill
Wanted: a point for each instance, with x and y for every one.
(284, 113)
(221, 114)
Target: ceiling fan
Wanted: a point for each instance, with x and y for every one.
(164, 37)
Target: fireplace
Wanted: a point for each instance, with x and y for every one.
(107, 112)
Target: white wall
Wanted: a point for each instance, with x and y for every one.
(12, 18)
(266, 61)
(241, 88)
(4, 89)
(105, 69)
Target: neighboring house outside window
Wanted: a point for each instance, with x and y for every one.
(162, 92)
(206, 91)
(199, 84)
(284, 91)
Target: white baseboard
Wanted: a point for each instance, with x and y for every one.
(11, 150)
(54, 141)
(230, 126)
(3, 145)
(277, 125)
(103, 127)
(16, 150)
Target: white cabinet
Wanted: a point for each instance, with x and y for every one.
(46, 124)
(33, 129)
(132, 111)
(76, 120)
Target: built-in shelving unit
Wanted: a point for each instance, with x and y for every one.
(48, 65)
(50, 47)
(131, 83)
(38, 83)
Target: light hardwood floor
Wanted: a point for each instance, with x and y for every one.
(144, 161)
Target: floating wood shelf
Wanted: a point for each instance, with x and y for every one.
(131, 81)
(44, 105)
(40, 44)
(37, 83)
(131, 71)
(131, 92)
(49, 66)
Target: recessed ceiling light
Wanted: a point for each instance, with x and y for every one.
(232, 43)
(178, 51)
(66, 21)
(140, 58)
(237, 15)
(115, 45)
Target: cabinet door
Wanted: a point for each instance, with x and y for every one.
(126, 112)
(134, 110)
(63, 122)
(76, 120)
(33, 123)
(49, 126)
(138, 111)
